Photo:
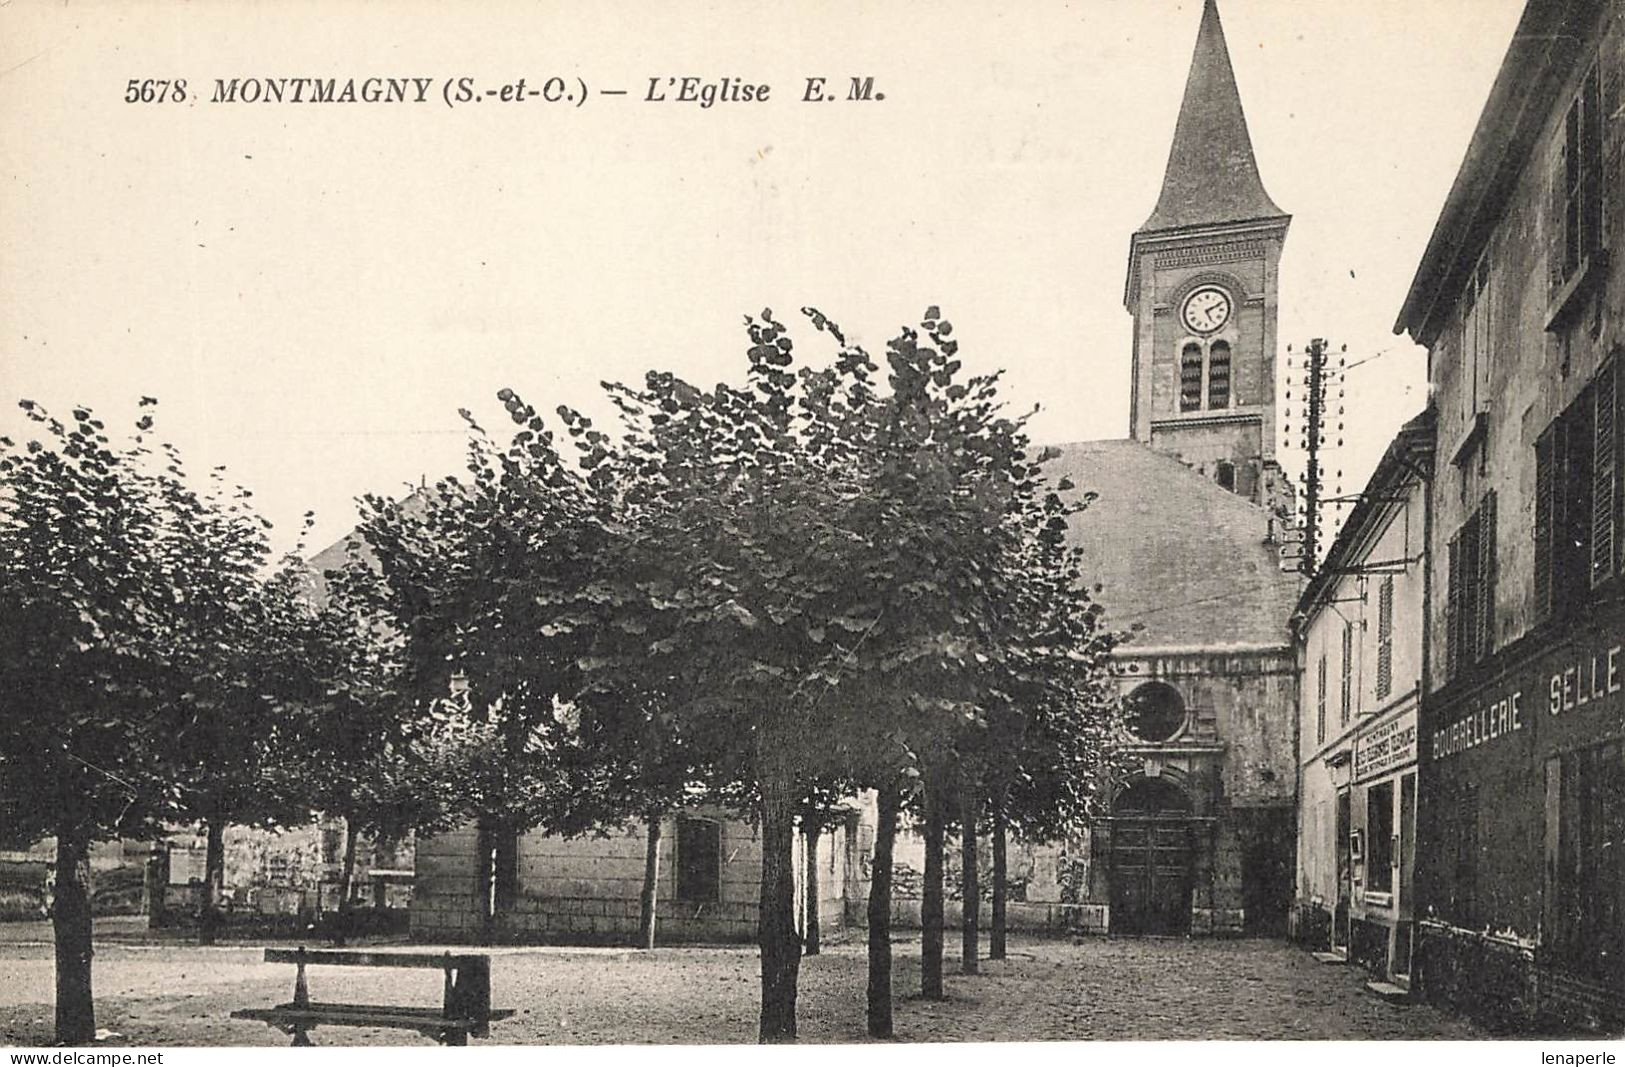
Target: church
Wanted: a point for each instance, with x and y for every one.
(1185, 539)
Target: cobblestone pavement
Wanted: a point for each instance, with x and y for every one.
(169, 994)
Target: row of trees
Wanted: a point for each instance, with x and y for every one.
(160, 667)
(771, 595)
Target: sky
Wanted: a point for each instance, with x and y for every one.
(313, 290)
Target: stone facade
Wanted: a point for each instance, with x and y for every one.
(586, 890)
(1183, 538)
(1222, 761)
(1520, 301)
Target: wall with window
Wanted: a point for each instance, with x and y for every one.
(1531, 325)
(1361, 661)
(1366, 627)
(1522, 765)
(585, 890)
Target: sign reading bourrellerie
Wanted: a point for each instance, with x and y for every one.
(1574, 679)
(1387, 746)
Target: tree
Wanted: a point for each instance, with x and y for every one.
(239, 667)
(97, 636)
(489, 583)
(1047, 745)
(823, 807)
(760, 589)
(820, 635)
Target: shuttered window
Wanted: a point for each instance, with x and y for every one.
(1218, 375)
(1484, 591)
(1576, 182)
(1470, 598)
(1190, 378)
(1604, 474)
(1579, 499)
(1347, 704)
(1452, 609)
(1385, 638)
(1547, 465)
(1320, 700)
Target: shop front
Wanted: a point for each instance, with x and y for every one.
(1520, 875)
(1381, 859)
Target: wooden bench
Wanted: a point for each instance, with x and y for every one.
(465, 1012)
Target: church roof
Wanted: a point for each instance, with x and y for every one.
(1174, 552)
(1212, 176)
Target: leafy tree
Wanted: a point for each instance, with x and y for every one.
(838, 561)
(109, 588)
(1047, 739)
(483, 582)
(238, 663)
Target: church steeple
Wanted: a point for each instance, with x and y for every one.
(1212, 176)
(1201, 286)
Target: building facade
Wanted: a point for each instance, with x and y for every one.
(587, 890)
(1520, 301)
(1183, 537)
(1361, 636)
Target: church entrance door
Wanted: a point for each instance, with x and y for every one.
(1151, 860)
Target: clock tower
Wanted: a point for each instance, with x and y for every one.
(1202, 275)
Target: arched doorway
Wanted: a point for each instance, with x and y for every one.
(1151, 858)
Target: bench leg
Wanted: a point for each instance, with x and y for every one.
(454, 1037)
(301, 1039)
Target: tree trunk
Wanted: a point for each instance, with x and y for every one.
(995, 937)
(649, 899)
(214, 881)
(485, 877)
(810, 944)
(346, 886)
(971, 892)
(70, 925)
(776, 924)
(157, 884)
(931, 916)
(880, 871)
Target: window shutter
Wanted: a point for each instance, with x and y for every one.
(1385, 637)
(1320, 699)
(1612, 66)
(1452, 610)
(1604, 474)
(1571, 547)
(1484, 632)
(1557, 215)
(1347, 693)
(1190, 378)
(1545, 519)
(1591, 189)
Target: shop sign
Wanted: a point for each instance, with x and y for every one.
(1569, 680)
(1386, 746)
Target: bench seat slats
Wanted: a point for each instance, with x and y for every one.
(388, 1009)
(363, 958)
(314, 1016)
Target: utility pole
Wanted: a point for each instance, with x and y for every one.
(1320, 375)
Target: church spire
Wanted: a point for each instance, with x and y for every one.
(1212, 176)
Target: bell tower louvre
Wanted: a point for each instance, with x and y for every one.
(1201, 285)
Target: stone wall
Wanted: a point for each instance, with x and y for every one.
(587, 890)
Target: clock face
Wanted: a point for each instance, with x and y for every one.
(1207, 309)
